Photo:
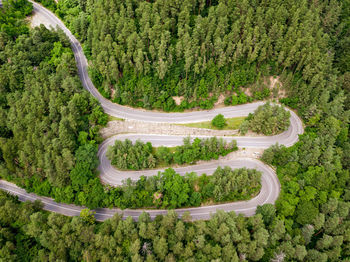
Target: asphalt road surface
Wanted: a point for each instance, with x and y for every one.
(270, 185)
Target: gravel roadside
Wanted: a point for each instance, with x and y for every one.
(131, 126)
(36, 19)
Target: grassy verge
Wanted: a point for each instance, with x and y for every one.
(113, 118)
(231, 124)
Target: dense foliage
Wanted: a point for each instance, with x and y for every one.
(126, 155)
(29, 234)
(44, 107)
(48, 124)
(304, 41)
(267, 119)
(49, 132)
(11, 19)
(168, 48)
(152, 51)
(230, 184)
(171, 190)
(219, 121)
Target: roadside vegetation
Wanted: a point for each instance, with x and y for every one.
(12, 23)
(219, 121)
(113, 118)
(29, 233)
(140, 155)
(171, 190)
(231, 124)
(267, 119)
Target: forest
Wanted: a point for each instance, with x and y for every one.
(49, 125)
(170, 190)
(153, 51)
(49, 129)
(137, 156)
(64, 162)
(28, 234)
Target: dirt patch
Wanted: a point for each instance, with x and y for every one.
(274, 81)
(131, 126)
(196, 187)
(112, 91)
(247, 91)
(271, 82)
(252, 134)
(244, 152)
(157, 195)
(178, 99)
(221, 100)
(276, 87)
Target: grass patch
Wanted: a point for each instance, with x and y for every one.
(113, 118)
(231, 124)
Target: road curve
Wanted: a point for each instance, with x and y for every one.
(268, 194)
(270, 184)
(112, 176)
(128, 112)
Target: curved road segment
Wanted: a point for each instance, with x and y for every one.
(268, 194)
(270, 185)
(112, 176)
(127, 112)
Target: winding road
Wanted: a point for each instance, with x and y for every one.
(270, 185)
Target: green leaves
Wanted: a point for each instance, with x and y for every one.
(11, 17)
(88, 216)
(267, 119)
(175, 189)
(57, 52)
(49, 124)
(235, 184)
(125, 155)
(219, 121)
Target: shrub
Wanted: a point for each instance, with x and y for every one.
(243, 129)
(219, 121)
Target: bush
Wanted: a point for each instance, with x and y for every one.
(219, 121)
(243, 129)
(234, 100)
